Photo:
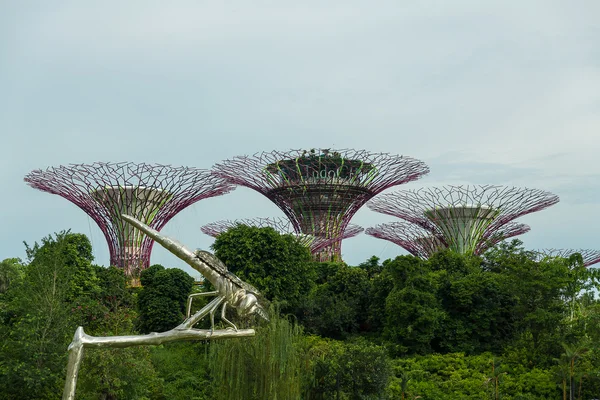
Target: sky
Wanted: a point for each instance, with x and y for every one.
(494, 92)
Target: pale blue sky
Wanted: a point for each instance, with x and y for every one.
(485, 92)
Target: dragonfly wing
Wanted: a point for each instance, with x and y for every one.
(220, 267)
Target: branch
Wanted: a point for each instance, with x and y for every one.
(82, 340)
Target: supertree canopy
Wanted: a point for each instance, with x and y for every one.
(589, 256)
(321, 189)
(283, 226)
(422, 243)
(463, 215)
(151, 193)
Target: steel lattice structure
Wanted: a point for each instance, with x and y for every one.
(283, 226)
(590, 257)
(463, 215)
(421, 243)
(321, 189)
(151, 193)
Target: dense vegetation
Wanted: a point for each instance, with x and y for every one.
(502, 326)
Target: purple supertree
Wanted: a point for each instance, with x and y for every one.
(283, 226)
(151, 193)
(321, 189)
(421, 243)
(462, 215)
(590, 257)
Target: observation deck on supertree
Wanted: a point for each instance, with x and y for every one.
(149, 192)
(422, 243)
(281, 225)
(320, 190)
(463, 215)
(590, 257)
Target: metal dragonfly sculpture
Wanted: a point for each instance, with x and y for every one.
(229, 290)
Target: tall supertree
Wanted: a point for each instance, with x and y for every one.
(149, 192)
(421, 243)
(590, 257)
(283, 226)
(321, 189)
(463, 215)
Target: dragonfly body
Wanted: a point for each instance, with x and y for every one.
(229, 289)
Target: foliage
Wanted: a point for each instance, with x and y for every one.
(503, 326)
(114, 373)
(41, 320)
(338, 304)
(453, 303)
(278, 265)
(12, 272)
(382, 284)
(413, 311)
(457, 376)
(162, 300)
(118, 374)
(114, 292)
(538, 290)
(372, 267)
(267, 366)
(183, 370)
(478, 308)
(349, 370)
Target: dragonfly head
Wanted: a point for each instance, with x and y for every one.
(249, 305)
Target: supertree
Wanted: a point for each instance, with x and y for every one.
(321, 189)
(281, 225)
(421, 243)
(590, 257)
(151, 193)
(462, 215)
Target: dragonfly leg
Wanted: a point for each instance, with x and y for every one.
(212, 314)
(225, 319)
(191, 297)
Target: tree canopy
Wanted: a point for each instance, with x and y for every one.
(504, 325)
(278, 265)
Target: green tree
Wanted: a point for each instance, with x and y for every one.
(42, 318)
(478, 309)
(183, 369)
(538, 290)
(495, 377)
(162, 300)
(457, 376)
(338, 305)
(346, 370)
(12, 272)
(278, 265)
(571, 356)
(372, 267)
(381, 286)
(414, 313)
(114, 292)
(114, 373)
